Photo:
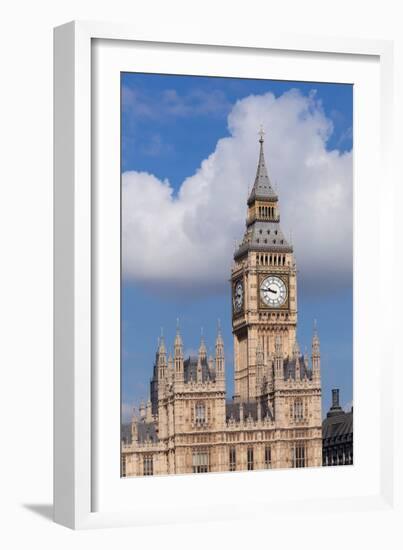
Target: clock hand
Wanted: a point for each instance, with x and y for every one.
(272, 291)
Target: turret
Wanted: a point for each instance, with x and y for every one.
(296, 357)
(315, 354)
(170, 370)
(202, 359)
(219, 355)
(161, 359)
(157, 383)
(178, 356)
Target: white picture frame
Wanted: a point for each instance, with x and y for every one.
(86, 490)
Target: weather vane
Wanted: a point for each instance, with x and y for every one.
(261, 133)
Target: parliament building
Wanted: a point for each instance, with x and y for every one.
(274, 418)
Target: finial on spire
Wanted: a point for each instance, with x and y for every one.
(315, 330)
(202, 348)
(162, 332)
(315, 339)
(261, 134)
(178, 339)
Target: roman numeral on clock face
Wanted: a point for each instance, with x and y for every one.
(273, 291)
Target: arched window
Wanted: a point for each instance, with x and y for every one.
(298, 410)
(200, 413)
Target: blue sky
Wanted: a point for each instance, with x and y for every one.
(170, 125)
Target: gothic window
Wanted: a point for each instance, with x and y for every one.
(123, 466)
(267, 457)
(200, 413)
(232, 459)
(250, 458)
(298, 456)
(298, 410)
(148, 467)
(200, 461)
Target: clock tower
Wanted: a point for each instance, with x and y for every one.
(274, 419)
(264, 291)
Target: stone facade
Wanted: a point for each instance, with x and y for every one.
(274, 417)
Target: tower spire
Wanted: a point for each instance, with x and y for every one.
(315, 353)
(202, 348)
(262, 188)
(178, 338)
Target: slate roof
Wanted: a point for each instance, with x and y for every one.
(338, 428)
(289, 369)
(264, 236)
(249, 408)
(146, 432)
(190, 370)
(262, 187)
(126, 433)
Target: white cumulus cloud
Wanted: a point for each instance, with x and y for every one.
(186, 240)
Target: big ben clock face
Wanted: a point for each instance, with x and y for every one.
(237, 298)
(273, 291)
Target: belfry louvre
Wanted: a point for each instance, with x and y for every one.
(274, 417)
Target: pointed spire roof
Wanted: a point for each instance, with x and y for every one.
(262, 234)
(202, 348)
(315, 338)
(219, 340)
(161, 343)
(161, 355)
(178, 338)
(262, 188)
